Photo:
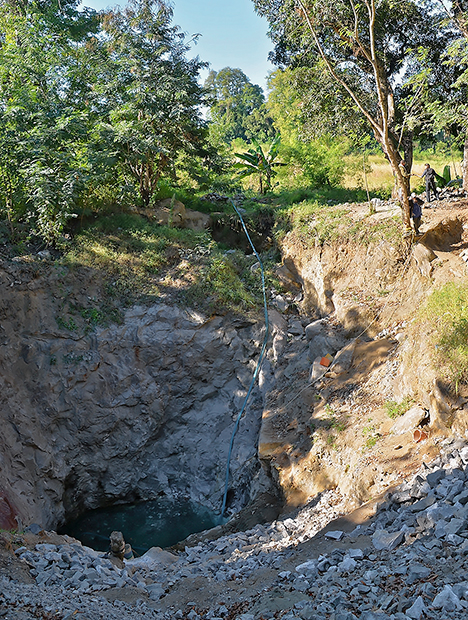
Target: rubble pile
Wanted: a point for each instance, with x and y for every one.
(408, 561)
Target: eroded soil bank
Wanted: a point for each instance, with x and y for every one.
(145, 407)
(332, 430)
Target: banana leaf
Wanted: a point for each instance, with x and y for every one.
(441, 182)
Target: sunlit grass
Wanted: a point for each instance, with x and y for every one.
(395, 410)
(317, 223)
(141, 261)
(381, 176)
(447, 313)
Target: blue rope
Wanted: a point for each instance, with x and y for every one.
(259, 363)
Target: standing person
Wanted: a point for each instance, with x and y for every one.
(416, 211)
(429, 175)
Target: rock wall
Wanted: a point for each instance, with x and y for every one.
(343, 279)
(332, 430)
(122, 413)
(146, 407)
(366, 286)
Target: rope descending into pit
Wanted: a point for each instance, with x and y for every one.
(259, 363)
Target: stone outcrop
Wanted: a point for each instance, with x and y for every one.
(353, 280)
(121, 413)
(169, 212)
(146, 407)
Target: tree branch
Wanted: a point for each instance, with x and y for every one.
(332, 71)
(356, 32)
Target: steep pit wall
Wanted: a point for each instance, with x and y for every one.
(146, 407)
(336, 432)
(118, 413)
(348, 280)
(369, 285)
(438, 263)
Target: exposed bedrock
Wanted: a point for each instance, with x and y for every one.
(125, 413)
(332, 429)
(353, 281)
(147, 407)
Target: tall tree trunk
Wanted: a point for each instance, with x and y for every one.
(407, 144)
(394, 158)
(465, 162)
(382, 121)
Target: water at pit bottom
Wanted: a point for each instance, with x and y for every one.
(156, 523)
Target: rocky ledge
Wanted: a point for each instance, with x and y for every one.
(408, 560)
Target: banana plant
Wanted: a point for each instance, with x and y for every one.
(444, 179)
(256, 161)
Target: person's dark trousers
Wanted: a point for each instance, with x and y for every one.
(431, 186)
(416, 224)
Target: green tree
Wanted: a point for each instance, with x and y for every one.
(317, 125)
(363, 47)
(443, 85)
(152, 94)
(91, 101)
(237, 108)
(44, 117)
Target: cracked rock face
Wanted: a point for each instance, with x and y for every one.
(124, 413)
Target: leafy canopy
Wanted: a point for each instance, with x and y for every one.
(237, 108)
(92, 105)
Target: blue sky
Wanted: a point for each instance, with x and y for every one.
(232, 34)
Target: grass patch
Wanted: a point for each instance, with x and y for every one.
(395, 410)
(447, 313)
(333, 421)
(372, 436)
(381, 180)
(223, 280)
(323, 195)
(367, 232)
(140, 261)
(130, 251)
(316, 224)
(231, 281)
(65, 323)
(371, 441)
(313, 222)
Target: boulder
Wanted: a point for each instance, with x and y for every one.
(196, 220)
(387, 540)
(169, 212)
(344, 359)
(441, 408)
(323, 339)
(155, 556)
(410, 420)
(317, 370)
(447, 600)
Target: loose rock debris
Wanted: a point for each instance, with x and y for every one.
(408, 561)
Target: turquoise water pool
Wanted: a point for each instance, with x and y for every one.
(156, 523)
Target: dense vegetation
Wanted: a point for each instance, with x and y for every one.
(105, 111)
(447, 313)
(95, 109)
